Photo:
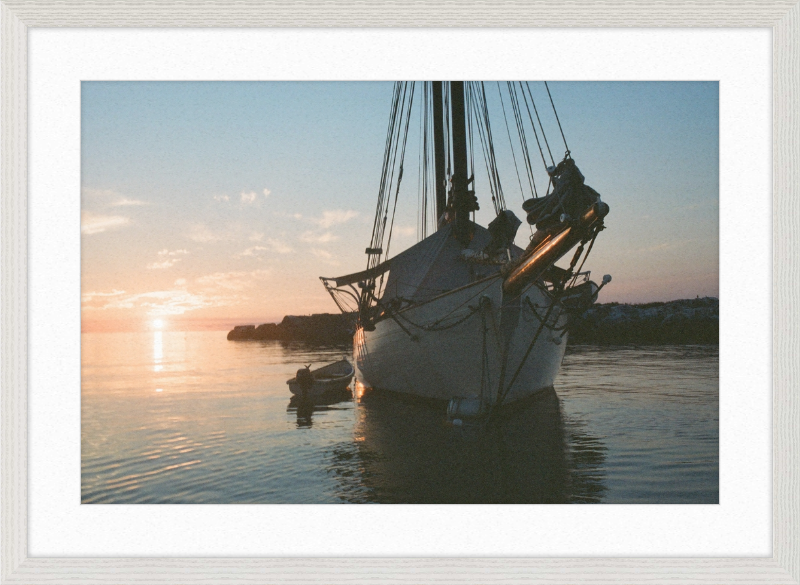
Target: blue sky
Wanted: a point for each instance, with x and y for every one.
(224, 201)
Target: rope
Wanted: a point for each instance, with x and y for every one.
(512, 94)
(377, 227)
(542, 320)
(533, 125)
(481, 113)
(557, 120)
(535, 111)
(473, 111)
(490, 143)
(400, 176)
(589, 251)
(433, 326)
(422, 161)
(501, 397)
(510, 142)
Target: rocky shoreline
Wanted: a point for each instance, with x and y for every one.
(687, 321)
(321, 328)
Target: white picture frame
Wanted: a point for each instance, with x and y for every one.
(782, 17)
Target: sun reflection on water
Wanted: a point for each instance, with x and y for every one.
(158, 351)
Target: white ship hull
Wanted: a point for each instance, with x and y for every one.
(425, 351)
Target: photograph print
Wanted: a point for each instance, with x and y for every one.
(399, 292)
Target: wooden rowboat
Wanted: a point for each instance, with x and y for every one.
(331, 378)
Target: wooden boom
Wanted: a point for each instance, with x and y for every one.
(533, 265)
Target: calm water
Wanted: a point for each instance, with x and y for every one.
(193, 418)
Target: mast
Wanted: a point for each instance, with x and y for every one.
(460, 170)
(438, 148)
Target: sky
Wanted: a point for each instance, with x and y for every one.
(208, 204)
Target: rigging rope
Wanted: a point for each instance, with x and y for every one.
(557, 120)
(436, 325)
(535, 111)
(512, 93)
(533, 125)
(420, 165)
(400, 175)
(425, 167)
(490, 142)
(588, 251)
(510, 142)
(471, 146)
(483, 126)
(376, 227)
(447, 126)
(503, 392)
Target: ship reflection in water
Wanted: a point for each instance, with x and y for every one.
(193, 418)
(305, 408)
(407, 453)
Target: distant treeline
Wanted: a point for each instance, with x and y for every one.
(689, 321)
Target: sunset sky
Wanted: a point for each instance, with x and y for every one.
(208, 204)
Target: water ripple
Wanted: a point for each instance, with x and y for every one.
(624, 425)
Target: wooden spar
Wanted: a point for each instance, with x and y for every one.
(533, 265)
(438, 149)
(460, 170)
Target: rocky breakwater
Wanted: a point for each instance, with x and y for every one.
(689, 321)
(320, 328)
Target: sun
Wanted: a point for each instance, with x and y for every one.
(158, 323)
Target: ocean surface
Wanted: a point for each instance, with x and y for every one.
(173, 417)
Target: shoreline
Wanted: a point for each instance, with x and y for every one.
(679, 322)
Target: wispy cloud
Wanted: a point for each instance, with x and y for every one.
(235, 280)
(110, 197)
(256, 237)
(273, 245)
(325, 256)
(279, 246)
(125, 202)
(164, 264)
(170, 258)
(92, 223)
(321, 253)
(177, 302)
(315, 238)
(253, 251)
(246, 198)
(165, 302)
(334, 217)
(199, 232)
(88, 297)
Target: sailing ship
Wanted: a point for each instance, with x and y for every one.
(465, 315)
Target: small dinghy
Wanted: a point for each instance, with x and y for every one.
(331, 378)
